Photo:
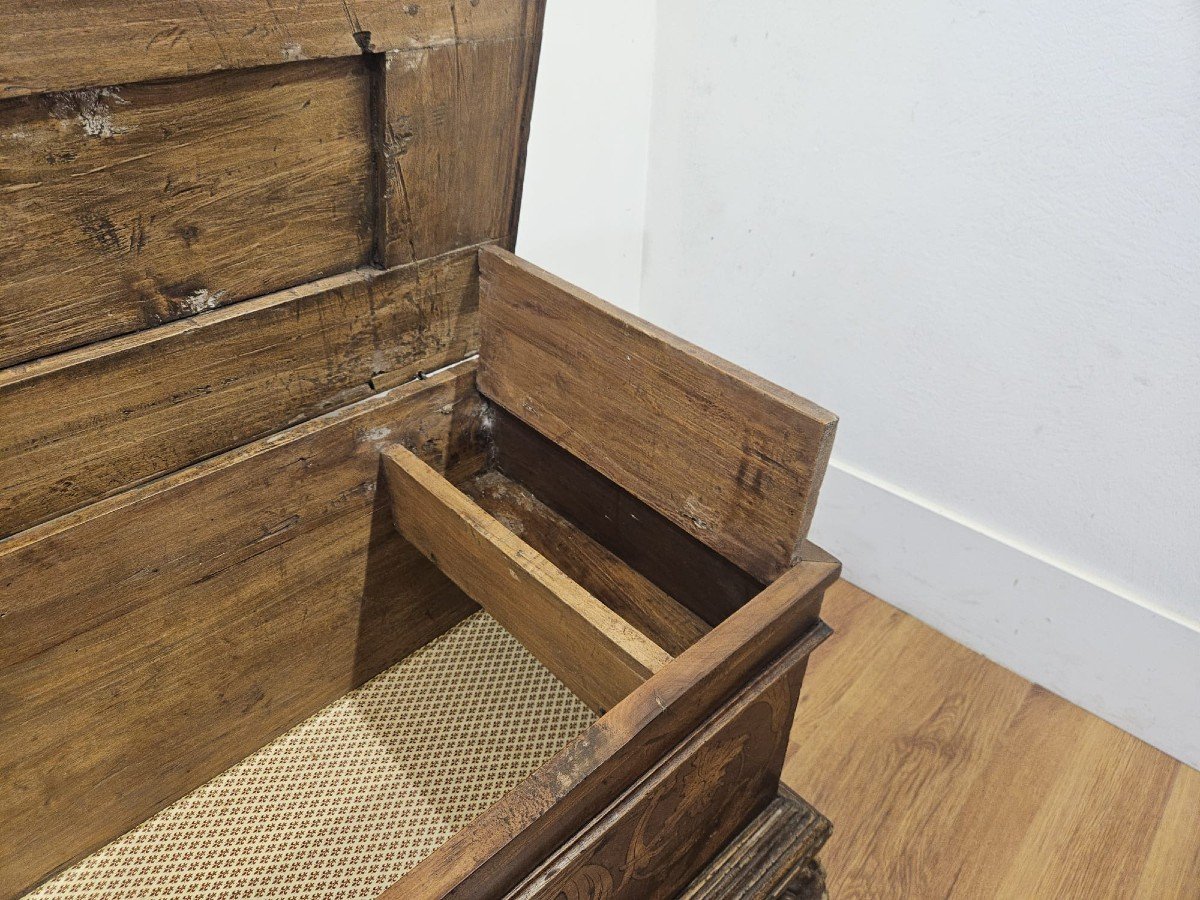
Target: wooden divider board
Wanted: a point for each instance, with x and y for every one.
(80, 425)
(152, 640)
(729, 457)
(592, 650)
(694, 574)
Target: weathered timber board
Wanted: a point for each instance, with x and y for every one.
(128, 207)
(674, 820)
(62, 44)
(726, 455)
(591, 649)
(504, 844)
(156, 638)
(597, 569)
(84, 424)
(450, 145)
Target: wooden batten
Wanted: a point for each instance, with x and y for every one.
(598, 570)
(598, 655)
(154, 639)
(63, 44)
(81, 425)
(473, 97)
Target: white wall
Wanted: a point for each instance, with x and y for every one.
(583, 210)
(973, 231)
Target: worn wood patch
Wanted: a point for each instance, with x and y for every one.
(156, 638)
(84, 424)
(591, 649)
(127, 207)
(729, 457)
(449, 145)
(64, 44)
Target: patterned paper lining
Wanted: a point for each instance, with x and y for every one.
(348, 801)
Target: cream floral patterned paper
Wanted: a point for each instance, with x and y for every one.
(351, 799)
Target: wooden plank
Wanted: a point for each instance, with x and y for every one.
(56, 45)
(595, 652)
(526, 826)
(90, 422)
(157, 637)
(664, 830)
(128, 207)
(449, 145)
(727, 456)
(698, 577)
(596, 569)
(1173, 865)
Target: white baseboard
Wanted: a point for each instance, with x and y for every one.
(1116, 656)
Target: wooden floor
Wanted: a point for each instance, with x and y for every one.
(948, 776)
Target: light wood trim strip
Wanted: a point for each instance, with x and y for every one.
(595, 652)
(729, 457)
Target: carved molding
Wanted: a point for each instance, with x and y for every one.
(773, 858)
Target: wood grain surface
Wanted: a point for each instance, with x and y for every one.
(124, 208)
(450, 144)
(948, 776)
(727, 456)
(665, 829)
(592, 650)
(503, 845)
(56, 45)
(154, 639)
(84, 424)
(598, 570)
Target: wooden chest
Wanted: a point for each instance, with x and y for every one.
(342, 552)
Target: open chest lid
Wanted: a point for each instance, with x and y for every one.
(227, 217)
(373, 132)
